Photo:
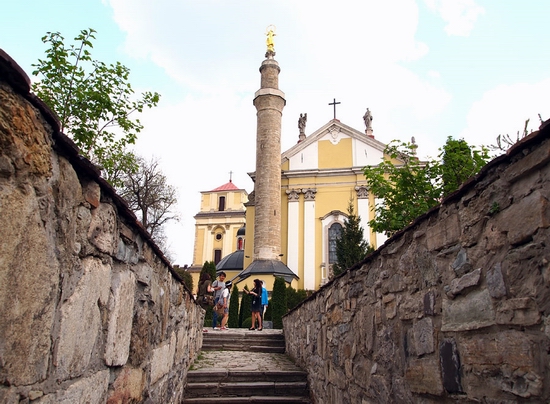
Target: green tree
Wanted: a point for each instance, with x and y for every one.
(185, 275)
(278, 302)
(93, 100)
(410, 187)
(233, 321)
(406, 185)
(294, 297)
(150, 196)
(350, 246)
(459, 161)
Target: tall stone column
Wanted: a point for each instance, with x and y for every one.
(269, 102)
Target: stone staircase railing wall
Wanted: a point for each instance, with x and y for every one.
(456, 307)
(90, 309)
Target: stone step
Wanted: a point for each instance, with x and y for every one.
(242, 366)
(224, 376)
(246, 389)
(254, 341)
(251, 399)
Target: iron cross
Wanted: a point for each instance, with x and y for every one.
(334, 103)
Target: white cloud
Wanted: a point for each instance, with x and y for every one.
(460, 15)
(504, 110)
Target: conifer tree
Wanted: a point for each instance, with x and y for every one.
(233, 321)
(245, 311)
(351, 248)
(210, 268)
(278, 302)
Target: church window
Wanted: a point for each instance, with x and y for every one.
(218, 236)
(240, 244)
(221, 203)
(217, 256)
(334, 232)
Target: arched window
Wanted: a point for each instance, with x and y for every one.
(334, 232)
(221, 204)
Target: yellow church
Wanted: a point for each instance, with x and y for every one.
(319, 176)
(299, 203)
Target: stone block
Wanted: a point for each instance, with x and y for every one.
(29, 275)
(443, 233)
(89, 390)
(461, 264)
(469, 312)
(92, 193)
(429, 303)
(410, 306)
(162, 360)
(518, 311)
(103, 229)
(423, 332)
(450, 366)
(508, 360)
(81, 319)
(128, 387)
(537, 158)
(423, 376)
(495, 282)
(121, 314)
(521, 220)
(466, 281)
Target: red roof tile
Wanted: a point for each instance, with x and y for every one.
(226, 187)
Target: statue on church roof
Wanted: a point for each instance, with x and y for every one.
(269, 41)
(368, 119)
(302, 122)
(302, 127)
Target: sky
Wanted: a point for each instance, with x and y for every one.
(470, 69)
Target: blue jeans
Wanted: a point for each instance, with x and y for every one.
(214, 314)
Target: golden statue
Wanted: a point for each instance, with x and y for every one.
(270, 34)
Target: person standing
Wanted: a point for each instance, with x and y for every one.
(256, 304)
(265, 300)
(218, 286)
(225, 300)
(204, 290)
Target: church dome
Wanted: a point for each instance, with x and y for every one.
(241, 231)
(232, 262)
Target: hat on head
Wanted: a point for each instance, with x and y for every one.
(228, 284)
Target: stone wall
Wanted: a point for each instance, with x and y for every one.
(90, 309)
(454, 308)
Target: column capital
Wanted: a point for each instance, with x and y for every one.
(309, 193)
(293, 195)
(362, 191)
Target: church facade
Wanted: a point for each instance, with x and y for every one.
(320, 176)
(219, 226)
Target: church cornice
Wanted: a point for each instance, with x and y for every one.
(225, 213)
(328, 172)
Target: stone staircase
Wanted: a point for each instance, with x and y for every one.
(244, 340)
(241, 366)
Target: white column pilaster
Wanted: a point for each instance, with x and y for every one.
(309, 239)
(293, 230)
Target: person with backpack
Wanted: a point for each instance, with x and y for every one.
(218, 286)
(224, 300)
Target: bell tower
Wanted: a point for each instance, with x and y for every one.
(269, 102)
